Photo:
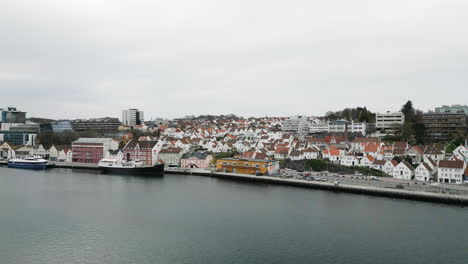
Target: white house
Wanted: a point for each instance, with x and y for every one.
(311, 153)
(389, 166)
(349, 160)
(403, 171)
(41, 151)
(378, 165)
(65, 155)
(434, 154)
(415, 153)
(451, 171)
(296, 155)
(367, 161)
(424, 172)
(461, 153)
(282, 153)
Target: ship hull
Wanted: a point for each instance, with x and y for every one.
(29, 166)
(146, 171)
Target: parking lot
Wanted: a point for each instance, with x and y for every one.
(382, 182)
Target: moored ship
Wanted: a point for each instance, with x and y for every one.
(130, 167)
(33, 163)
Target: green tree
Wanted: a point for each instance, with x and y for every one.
(410, 113)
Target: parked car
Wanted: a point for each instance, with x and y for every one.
(399, 186)
(259, 174)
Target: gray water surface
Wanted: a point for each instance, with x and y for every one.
(65, 216)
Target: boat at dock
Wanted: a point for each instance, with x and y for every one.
(32, 163)
(116, 166)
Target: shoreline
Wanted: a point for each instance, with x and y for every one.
(461, 200)
(356, 189)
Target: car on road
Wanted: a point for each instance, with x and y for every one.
(259, 174)
(399, 186)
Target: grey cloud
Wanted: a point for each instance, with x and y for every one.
(67, 59)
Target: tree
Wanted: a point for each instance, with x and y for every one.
(410, 113)
(419, 133)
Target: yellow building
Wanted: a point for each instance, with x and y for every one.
(247, 166)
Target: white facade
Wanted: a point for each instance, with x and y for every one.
(451, 171)
(349, 160)
(423, 172)
(296, 124)
(389, 167)
(318, 127)
(388, 121)
(132, 117)
(403, 171)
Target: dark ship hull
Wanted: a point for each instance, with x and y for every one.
(155, 170)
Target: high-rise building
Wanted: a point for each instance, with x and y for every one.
(132, 117)
(12, 115)
(445, 126)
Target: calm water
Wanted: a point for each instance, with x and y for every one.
(64, 216)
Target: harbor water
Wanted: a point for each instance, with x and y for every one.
(80, 216)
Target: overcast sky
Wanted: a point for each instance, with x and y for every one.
(93, 58)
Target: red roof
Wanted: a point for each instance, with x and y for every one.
(282, 150)
(371, 148)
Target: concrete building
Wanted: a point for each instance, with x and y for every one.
(96, 124)
(132, 117)
(445, 126)
(338, 126)
(296, 124)
(18, 137)
(317, 126)
(12, 115)
(61, 126)
(389, 121)
(452, 109)
(91, 150)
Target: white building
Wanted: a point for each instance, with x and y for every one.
(424, 172)
(338, 126)
(389, 121)
(296, 124)
(389, 167)
(403, 171)
(317, 126)
(349, 160)
(451, 171)
(461, 153)
(132, 117)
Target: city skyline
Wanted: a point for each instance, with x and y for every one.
(81, 59)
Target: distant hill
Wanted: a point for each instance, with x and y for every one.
(40, 120)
